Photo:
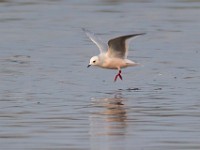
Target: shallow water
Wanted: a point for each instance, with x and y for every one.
(50, 100)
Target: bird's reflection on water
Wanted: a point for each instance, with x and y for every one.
(108, 121)
(108, 116)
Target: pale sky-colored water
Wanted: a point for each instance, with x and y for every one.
(50, 100)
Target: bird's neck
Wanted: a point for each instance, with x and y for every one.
(101, 59)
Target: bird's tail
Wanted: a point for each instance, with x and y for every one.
(131, 63)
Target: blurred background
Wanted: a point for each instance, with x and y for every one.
(49, 99)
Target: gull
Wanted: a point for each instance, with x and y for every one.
(114, 54)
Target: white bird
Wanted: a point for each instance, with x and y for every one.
(114, 55)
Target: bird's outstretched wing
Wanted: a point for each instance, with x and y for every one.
(118, 47)
(100, 44)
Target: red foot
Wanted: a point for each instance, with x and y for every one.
(118, 75)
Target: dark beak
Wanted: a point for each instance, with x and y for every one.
(88, 66)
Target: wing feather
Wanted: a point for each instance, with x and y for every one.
(118, 47)
(96, 40)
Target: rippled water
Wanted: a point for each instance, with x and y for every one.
(50, 100)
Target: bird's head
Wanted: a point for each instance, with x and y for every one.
(94, 61)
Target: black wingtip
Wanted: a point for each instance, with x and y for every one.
(140, 34)
(83, 29)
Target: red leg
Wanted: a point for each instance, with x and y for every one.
(115, 78)
(118, 75)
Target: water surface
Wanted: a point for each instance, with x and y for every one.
(50, 100)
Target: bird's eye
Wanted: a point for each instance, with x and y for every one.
(94, 61)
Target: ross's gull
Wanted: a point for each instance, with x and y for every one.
(114, 54)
